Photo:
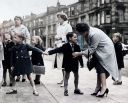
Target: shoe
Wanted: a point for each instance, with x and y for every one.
(23, 80)
(12, 92)
(106, 92)
(60, 82)
(62, 85)
(18, 79)
(35, 93)
(4, 84)
(77, 91)
(36, 82)
(10, 84)
(94, 94)
(117, 83)
(66, 93)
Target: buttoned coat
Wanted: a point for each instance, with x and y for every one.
(20, 58)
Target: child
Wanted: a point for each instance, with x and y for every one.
(1, 58)
(69, 62)
(116, 37)
(36, 57)
(7, 45)
(21, 63)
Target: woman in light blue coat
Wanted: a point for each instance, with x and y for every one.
(101, 46)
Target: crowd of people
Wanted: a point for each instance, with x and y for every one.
(15, 57)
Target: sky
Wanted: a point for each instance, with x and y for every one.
(11, 8)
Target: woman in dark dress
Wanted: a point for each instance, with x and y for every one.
(37, 58)
(119, 55)
(20, 61)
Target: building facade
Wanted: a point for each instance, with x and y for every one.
(109, 15)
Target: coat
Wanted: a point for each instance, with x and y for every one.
(69, 63)
(100, 44)
(36, 57)
(7, 54)
(119, 55)
(60, 39)
(20, 59)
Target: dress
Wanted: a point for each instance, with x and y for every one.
(60, 39)
(1, 58)
(20, 59)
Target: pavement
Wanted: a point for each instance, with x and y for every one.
(51, 92)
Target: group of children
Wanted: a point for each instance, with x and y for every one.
(18, 61)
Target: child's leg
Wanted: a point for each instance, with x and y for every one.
(32, 84)
(37, 79)
(14, 89)
(76, 80)
(4, 76)
(67, 75)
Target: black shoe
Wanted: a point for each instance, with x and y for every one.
(77, 91)
(66, 93)
(17, 79)
(10, 84)
(23, 80)
(94, 94)
(36, 82)
(4, 84)
(12, 92)
(106, 92)
(117, 83)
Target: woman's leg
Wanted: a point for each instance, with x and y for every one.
(103, 82)
(120, 75)
(98, 85)
(32, 84)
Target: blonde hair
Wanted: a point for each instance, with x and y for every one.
(38, 39)
(118, 35)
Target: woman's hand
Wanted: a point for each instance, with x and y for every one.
(76, 54)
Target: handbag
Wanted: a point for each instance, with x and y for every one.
(91, 62)
(37, 69)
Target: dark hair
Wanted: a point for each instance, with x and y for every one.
(82, 27)
(64, 17)
(19, 18)
(69, 35)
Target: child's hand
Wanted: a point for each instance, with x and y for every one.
(45, 53)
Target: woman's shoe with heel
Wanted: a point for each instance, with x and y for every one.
(102, 95)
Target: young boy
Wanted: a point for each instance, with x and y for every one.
(69, 62)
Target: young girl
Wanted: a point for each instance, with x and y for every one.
(7, 45)
(21, 63)
(36, 57)
(1, 58)
(69, 62)
(116, 37)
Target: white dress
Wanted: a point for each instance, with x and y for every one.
(60, 39)
(1, 58)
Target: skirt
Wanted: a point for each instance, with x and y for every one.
(100, 69)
